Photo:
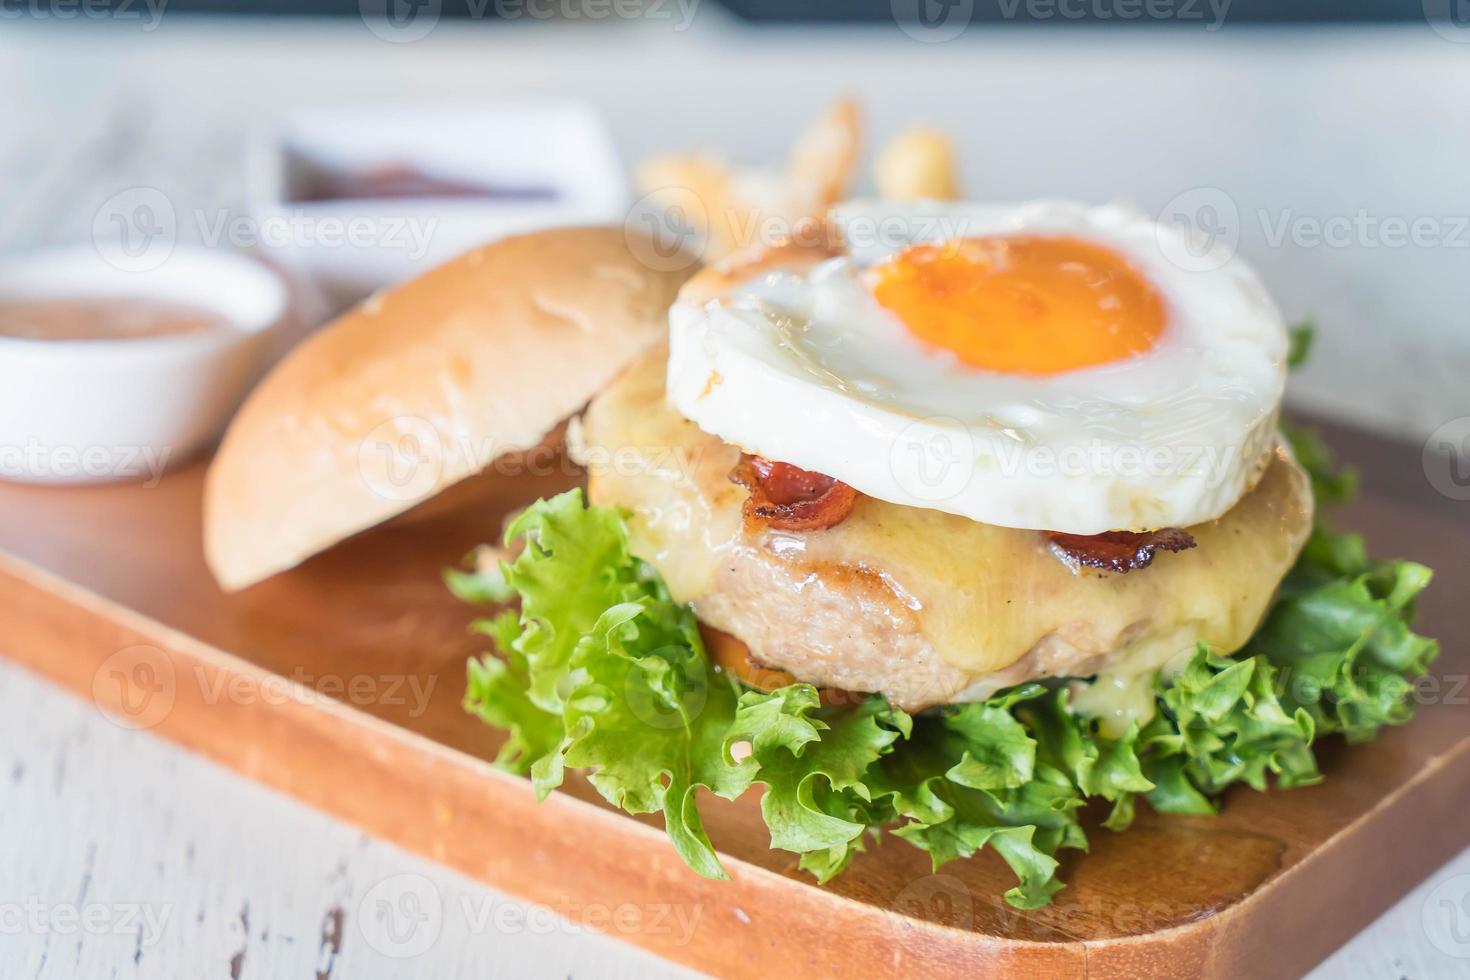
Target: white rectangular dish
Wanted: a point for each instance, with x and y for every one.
(503, 168)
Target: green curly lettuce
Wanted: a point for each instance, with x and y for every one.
(600, 669)
(603, 671)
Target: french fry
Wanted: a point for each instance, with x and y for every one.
(674, 180)
(826, 155)
(917, 163)
(737, 208)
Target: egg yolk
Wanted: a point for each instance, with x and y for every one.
(1023, 304)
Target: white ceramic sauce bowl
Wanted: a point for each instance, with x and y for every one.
(97, 411)
(560, 145)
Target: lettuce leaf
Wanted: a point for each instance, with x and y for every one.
(604, 671)
(951, 803)
(600, 669)
(1300, 337)
(812, 761)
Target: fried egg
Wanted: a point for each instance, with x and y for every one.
(1046, 365)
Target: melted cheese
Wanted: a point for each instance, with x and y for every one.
(985, 596)
(1116, 701)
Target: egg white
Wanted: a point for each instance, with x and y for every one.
(806, 367)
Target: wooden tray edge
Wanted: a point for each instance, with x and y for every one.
(66, 633)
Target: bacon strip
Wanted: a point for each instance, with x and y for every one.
(1117, 551)
(790, 498)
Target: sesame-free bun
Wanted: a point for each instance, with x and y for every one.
(424, 385)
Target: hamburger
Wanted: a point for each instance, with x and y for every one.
(976, 525)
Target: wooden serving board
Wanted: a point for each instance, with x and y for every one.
(314, 683)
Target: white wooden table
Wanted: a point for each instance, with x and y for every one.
(122, 856)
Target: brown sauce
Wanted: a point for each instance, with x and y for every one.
(103, 318)
(400, 181)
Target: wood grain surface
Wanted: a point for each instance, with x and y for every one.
(104, 590)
